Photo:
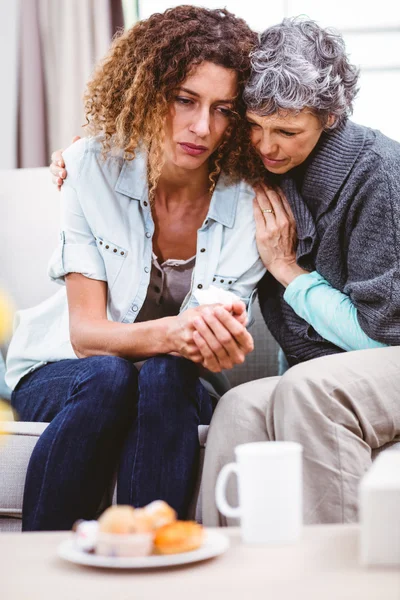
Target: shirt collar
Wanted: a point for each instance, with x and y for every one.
(224, 201)
(132, 182)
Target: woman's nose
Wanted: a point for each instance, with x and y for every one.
(267, 145)
(201, 124)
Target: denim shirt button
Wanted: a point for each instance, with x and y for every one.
(134, 308)
(146, 270)
(148, 234)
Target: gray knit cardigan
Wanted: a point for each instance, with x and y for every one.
(346, 201)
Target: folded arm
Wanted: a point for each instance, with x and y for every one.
(330, 312)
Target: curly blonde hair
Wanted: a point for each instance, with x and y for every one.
(128, 97)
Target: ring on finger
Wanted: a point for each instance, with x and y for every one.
(268, 210)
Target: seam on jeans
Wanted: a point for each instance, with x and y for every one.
(138, 420)
(47, 463)
(199, 402)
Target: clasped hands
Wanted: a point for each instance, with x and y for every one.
(214, 335)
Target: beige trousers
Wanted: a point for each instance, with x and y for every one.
(341, 408)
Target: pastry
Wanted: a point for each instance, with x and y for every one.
(161, 513)
(124, 531)
(181, 536)
(123, 545)
(125, 519)
(117, 519)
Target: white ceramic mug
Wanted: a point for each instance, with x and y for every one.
(270, 491)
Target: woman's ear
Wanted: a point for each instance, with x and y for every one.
(331, 120)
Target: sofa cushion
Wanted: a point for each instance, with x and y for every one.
(15, 452)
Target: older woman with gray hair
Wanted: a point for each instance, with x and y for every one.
(328, 232)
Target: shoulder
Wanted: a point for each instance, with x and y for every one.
(375, 187)
(234, 204)
(73, 157)
(240, 194)
(86, 162)
(245, 210)
(380, 156)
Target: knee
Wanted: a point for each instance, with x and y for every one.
(167, 386)
(299, 392)
(111, 380)
(243, 407)
(162, 377)
(230, 406)
(167, 370)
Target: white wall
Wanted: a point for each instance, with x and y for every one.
(372, 33)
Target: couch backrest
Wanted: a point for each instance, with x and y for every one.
(29, 228)
(29, 217)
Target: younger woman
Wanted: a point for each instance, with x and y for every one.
(152, 210)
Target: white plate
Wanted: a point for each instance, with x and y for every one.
(215, 543)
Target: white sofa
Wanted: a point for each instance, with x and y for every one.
(29, 209)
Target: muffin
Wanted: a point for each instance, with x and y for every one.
(161, 513)
(181, 536)
(125, 531)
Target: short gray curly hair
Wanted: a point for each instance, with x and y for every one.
(298, 64)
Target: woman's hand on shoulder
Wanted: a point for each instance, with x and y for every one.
(276, 234)
(57, 167)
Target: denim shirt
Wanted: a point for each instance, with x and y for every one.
(106, 234)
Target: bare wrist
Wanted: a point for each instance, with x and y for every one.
(286, 273)
(168, 325)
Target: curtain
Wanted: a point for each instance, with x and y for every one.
(9, 51)
(61, 41)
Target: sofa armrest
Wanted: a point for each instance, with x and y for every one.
(15, 452)
(24, 428)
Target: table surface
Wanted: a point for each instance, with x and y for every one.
(324, 565)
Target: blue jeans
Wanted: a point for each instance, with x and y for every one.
(104, 413)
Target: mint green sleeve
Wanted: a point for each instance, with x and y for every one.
(330, 312)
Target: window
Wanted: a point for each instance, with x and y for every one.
(372, 35)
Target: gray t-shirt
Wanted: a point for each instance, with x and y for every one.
(169, 285)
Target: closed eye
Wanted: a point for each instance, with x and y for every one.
(287, 133)
(183, 100)
(252, 124)
(226, 112)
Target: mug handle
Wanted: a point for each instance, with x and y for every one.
(222, 504)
